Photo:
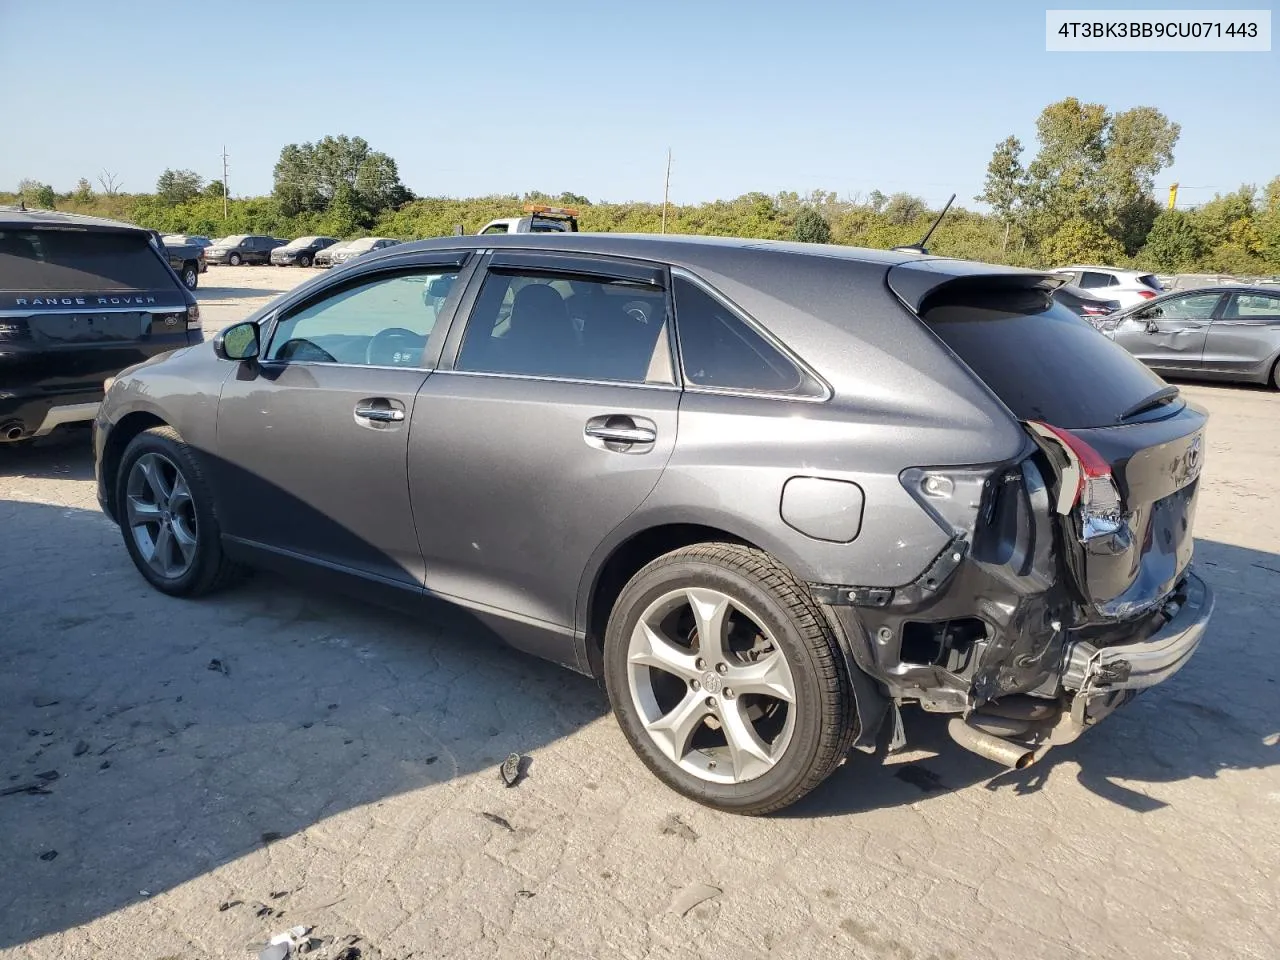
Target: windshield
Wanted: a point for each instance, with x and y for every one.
(299, 243)
(233, 240)
(364, 243)
(65, 261)
(1042, 360)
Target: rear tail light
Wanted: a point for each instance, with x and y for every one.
(1087, 483)
(1092, 311)
(193, 317)
(1147, 294)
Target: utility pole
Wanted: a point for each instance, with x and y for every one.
(666, 192)
(224, 181)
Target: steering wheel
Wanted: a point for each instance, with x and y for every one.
(303, 349)
(404, 348)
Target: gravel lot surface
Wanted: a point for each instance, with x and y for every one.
(209, 773)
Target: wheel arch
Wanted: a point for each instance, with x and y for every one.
(615, 565)
(128, 427)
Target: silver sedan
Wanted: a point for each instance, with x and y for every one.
(1215, 333)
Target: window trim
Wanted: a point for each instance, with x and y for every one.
(760, 330)
(493, 260)
(430, 359)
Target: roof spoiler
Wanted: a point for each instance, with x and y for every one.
(915, 281)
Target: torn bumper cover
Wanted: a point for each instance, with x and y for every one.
(1100, 679)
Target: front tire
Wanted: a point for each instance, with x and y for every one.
(727, 680)
(234, 260)
(304, 260)
(167, 516)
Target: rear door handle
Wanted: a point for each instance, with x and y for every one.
(380, 414)
(621, 433)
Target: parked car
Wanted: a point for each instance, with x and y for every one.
(1084, 304)
(239, 249)
(339, 253)
(1213, 333)
(80, 299)
(865, 479)
(300, 252)
(197, 239)
(187, 259)
(539, 219)
(1129, 287)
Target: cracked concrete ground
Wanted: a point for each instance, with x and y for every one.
(337, 768)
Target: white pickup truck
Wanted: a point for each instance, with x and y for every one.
(537, 219)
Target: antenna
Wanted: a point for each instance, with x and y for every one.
(919, 247)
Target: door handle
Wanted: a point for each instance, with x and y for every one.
(621, 434)
(380, 414)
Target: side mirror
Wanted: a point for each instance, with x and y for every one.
(1153, 327)
(237, 342)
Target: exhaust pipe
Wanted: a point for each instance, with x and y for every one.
(13, 430)
(1004, 752)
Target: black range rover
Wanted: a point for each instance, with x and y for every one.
(80, 300)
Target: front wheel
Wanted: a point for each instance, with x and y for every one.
(234, 260)
(304, 260)
(167, 516)
(727, 680)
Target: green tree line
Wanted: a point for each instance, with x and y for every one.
(1085, 196)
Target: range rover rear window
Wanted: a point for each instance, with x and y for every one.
(66, 261)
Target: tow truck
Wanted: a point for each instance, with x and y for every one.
(538, 218)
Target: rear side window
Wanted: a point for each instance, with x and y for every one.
(1150, 280)
(568, 326)
(719, 349)
(1090, 279)
(67, 261)
(1042, 360)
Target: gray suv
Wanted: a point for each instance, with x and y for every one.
(770, 493)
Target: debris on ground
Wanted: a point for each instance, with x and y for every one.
(525, 894)
(48, 855)
(32, 788)
(82, 747)
(691, 896)
(277, 894)
(218, 666)
(48, 776)
(228, 904)
(500, 821)
(676, 827)
(104, 765)
(513, 769)
(429, 761)
(45, 701)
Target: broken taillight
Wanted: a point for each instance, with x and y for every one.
(1086, 483)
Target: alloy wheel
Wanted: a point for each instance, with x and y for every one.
(711, 685)
(161, 515)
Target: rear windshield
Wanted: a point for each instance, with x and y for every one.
(1042, 360)
(67, 261)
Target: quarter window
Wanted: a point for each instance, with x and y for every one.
(719, 349)
(381, 322)
(568, 326)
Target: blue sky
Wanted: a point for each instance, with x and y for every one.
(476, 98)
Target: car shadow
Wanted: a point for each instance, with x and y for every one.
(1215, 715)
(66, 454)
(148, 740)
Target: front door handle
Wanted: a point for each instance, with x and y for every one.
(380, 414)
(622, 434)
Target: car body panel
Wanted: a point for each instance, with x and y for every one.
(1244, 336)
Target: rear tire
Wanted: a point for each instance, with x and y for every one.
(190, 276)
(167, 516)
(792, 718)
(234, 260)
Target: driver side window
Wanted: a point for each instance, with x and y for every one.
(382, 321)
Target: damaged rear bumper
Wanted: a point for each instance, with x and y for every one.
(1100, 679)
